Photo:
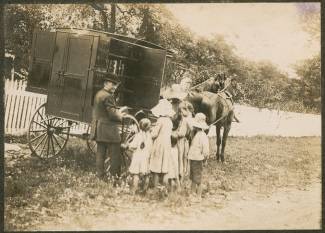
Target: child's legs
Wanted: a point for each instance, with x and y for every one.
(165, 179)
(155, 180)
(185, 166)
(135, 182)
(199, 190)
(146, 182)
(173, 184)
(178, 184)
(193, 187)
(199, 178)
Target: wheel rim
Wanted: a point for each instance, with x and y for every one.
(47, 135)
(91, 144)
(129, 128)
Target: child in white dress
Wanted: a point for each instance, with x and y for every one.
(161, 133)
(141, 147)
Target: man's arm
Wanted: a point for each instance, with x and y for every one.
(112, 110)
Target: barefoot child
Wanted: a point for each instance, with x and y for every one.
(199, 150)
(161, 133)
(141, 146)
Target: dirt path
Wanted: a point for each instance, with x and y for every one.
(287, 208)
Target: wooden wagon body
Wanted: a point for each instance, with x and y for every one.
(69, 65)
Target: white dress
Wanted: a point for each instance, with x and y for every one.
(140, 157)
(173, 164)
(161, 148)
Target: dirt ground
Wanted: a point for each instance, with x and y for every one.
(289, 208)
(266, 183)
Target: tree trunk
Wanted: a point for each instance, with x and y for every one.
(113, 17)
(104, 19)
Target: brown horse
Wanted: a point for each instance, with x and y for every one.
(219, 112)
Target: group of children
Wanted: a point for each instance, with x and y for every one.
(167, 153)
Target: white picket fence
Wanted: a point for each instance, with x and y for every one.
(20, 106)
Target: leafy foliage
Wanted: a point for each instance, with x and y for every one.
(309, 71)
(262, 83)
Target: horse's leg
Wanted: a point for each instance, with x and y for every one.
(224, 141)
(218, 129)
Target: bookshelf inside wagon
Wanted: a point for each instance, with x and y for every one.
(69, 65)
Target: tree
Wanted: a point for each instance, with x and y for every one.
(310, 73)
(310, 18)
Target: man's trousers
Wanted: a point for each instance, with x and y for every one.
(114, 152)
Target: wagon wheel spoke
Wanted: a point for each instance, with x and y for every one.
(44, 144)
(43, 120)
(40, 142)
(37, 137)
(47, 147)
(91, 144)
(60, 123)
(44, 126)
(60, 136)
(38, 130)
(44, 139)
(52, 144)
(57, 142)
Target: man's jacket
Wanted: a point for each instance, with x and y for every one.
(105, 118)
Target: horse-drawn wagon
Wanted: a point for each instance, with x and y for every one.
(69, 65)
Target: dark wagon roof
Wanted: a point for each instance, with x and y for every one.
(117, 36)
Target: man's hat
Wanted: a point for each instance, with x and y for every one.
(111, 79)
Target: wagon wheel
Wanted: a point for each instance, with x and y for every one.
(91, 144)
(130, 127)
(47, 135)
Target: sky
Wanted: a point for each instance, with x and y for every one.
(259, 31)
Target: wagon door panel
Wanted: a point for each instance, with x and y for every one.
(55, 86)
(142, 73)
(72, 78)
(40, 65)
(146, 82)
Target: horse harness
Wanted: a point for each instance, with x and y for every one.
(224, 96)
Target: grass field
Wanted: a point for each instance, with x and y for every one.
(40, 193)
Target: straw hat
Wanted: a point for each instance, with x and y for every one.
(163, 108)
(199, 121)
(175, 92)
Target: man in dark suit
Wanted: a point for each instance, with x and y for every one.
(105, 120)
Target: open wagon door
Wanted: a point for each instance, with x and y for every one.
(142, 74)
(40, 62)
(73, 58)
